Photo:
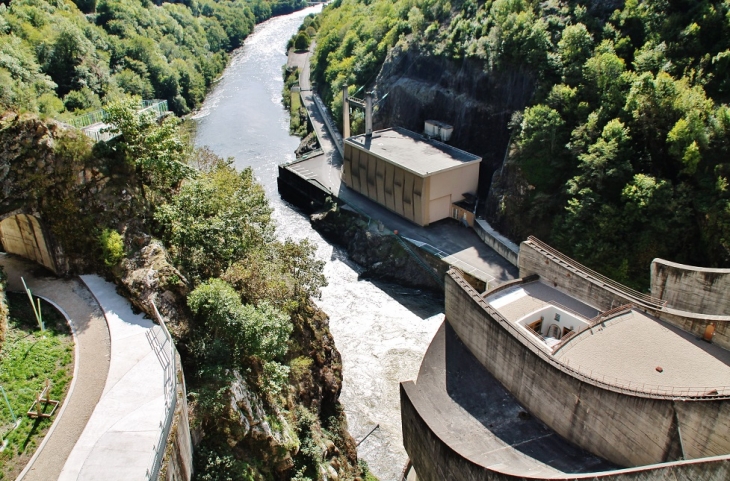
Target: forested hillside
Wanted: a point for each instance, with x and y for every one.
(58, 57)
(620, 155)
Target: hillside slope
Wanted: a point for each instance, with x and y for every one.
(611, 116)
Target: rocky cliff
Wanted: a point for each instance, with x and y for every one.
(380, 253)
(477, 102)
(307, 421)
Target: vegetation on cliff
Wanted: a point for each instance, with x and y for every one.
(621, 155)
(62, 58)
(262, 371)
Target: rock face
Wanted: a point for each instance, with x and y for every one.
(478, 103)
(263, 430)
(49, 172)
(380, 254)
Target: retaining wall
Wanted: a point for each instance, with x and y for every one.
(690, 288)
(626, 429)
(577, 281)
(177, 464)
(435, 460)
(501, 245)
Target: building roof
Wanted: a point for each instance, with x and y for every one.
(413, 152)
(627, 349)
(637, 349)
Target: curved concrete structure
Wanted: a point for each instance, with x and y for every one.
(601, 388)
(691, 288)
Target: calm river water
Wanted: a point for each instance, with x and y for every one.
(381, 330)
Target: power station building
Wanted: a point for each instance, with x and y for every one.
(418, 178)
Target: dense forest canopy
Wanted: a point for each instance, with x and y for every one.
(622, 155)
(59, 57)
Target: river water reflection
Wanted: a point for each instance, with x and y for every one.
(381, 330)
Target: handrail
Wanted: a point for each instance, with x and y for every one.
(603, 316)
(169, 364)
(100, 116)
(605, 382)
(577, 266)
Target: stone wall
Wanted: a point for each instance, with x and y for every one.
(626, 429)
(435, 460)
(690, 288)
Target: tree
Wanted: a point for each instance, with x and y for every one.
(302, 41)
(246, 330)
(215, 220)
(575, 47)
(154, 148)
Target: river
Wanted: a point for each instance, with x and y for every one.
(382, 331)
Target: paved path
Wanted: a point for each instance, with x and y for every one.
(118, 441)
(92, 360)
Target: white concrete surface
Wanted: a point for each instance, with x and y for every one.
(118, 441)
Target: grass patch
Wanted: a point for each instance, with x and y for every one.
(29, 357)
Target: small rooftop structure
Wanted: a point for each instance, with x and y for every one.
(439, 130)
(416, 177)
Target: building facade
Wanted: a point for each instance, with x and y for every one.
(415, 177)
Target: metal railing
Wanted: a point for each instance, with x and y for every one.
(594, 276)
(610, 383)
(161, 341)
(156, 107)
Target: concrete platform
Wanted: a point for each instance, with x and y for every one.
(118, 441)
(470, 411)
(626, 350)
(519, 301)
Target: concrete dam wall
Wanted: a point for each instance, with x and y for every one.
(690, 288)
(624, 428)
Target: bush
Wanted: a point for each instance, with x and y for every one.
(112, 247)
(302, 41)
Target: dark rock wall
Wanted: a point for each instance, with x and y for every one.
(478, 103)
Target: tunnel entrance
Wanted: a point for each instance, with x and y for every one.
(23, 235)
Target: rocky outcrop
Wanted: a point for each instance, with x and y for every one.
(477, 101)
(48, 171)
(270, 433)
(379, 253)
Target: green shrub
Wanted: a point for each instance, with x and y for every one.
(112, 247)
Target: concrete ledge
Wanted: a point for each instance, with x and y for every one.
(435, 460)
(503, 246)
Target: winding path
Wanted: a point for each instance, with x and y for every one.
(92, 355)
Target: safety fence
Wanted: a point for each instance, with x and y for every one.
(162, 343)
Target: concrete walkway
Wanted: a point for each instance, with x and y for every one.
(119, 438)
(91, 359)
